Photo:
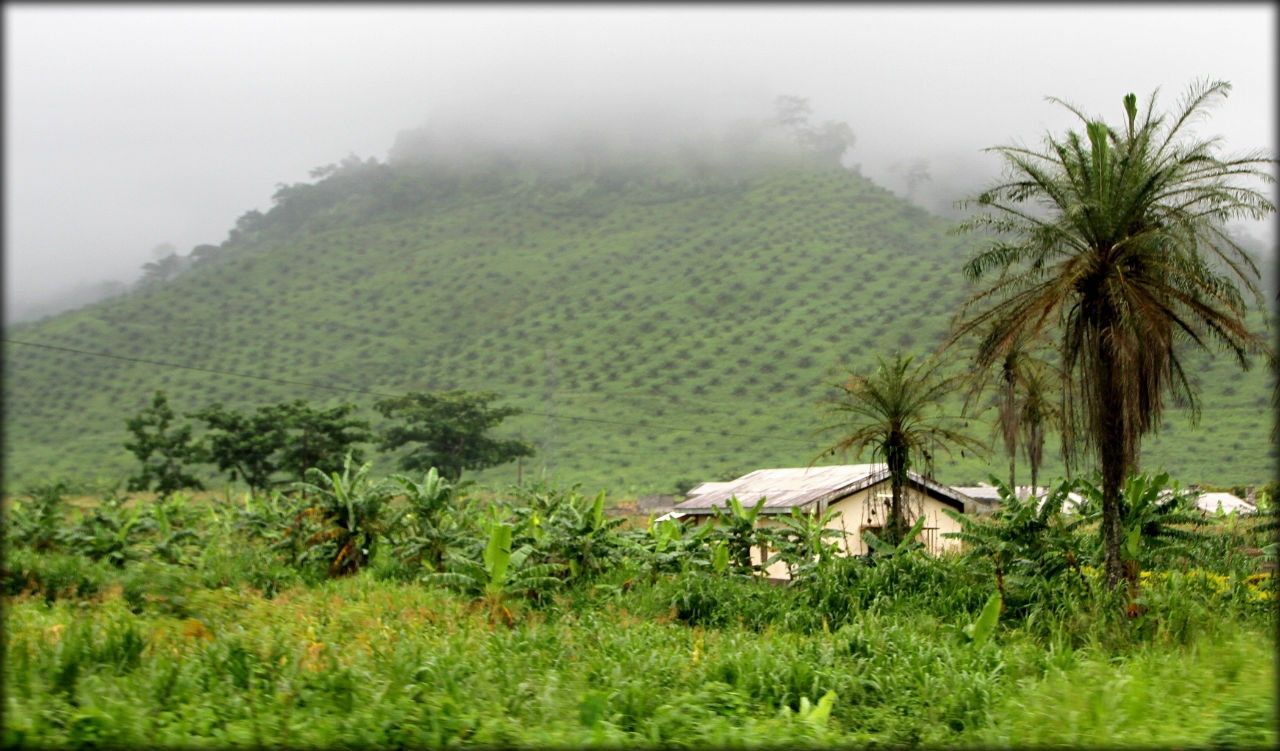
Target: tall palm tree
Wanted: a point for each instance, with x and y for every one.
(1118, 240)
(895, 412)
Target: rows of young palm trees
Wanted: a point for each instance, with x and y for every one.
(1105, 258)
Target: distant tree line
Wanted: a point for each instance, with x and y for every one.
(278, 443)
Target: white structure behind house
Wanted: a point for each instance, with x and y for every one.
(1226, 503)
(989, 497)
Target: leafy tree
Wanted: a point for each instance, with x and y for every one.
(163, 449)
(205, 253)
(448, 431)
(319, 438)
(827, 143)
(244, 445)
(166, 266)
(249, 227)
(290, 437)
(1117, 238)
(895, 412)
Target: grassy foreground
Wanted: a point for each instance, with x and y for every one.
(373, 661)
(393, 612)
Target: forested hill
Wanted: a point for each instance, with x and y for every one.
(661, 322)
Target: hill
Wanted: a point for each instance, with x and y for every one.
(660, 325)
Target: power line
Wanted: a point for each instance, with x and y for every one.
(352, 390)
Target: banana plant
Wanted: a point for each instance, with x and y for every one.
(740, 532)
(1024, 543)
(173, 524)
(908, 541)
(1155, 514)
(110, 532)
(979, 631)
(582, 537)
(500, 574)
(39, 522)
(350, 508)
(802, 541)
(284, 522)
(668, 547)
(434, 521)
(815, 714)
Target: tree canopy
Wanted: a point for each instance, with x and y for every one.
(164, 449)
(449, 430)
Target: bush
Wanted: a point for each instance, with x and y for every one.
(55, 575)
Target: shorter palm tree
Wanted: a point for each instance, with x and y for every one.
(896, 413)
(1041, 408)
(1025, 384)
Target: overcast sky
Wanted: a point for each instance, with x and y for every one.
(130, 126)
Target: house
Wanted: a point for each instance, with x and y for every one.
(860, 492)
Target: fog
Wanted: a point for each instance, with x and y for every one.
(128, 127)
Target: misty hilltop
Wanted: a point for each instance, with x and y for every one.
(664, 308)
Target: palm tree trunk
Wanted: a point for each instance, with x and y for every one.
(1114, 463)
(1035, 453)
(896, 522)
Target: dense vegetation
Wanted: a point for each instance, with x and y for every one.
(532, 618)
(657, 324)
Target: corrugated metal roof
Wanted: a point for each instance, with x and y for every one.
(799, 487)
(704, 487)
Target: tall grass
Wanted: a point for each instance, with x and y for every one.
(361, 661)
